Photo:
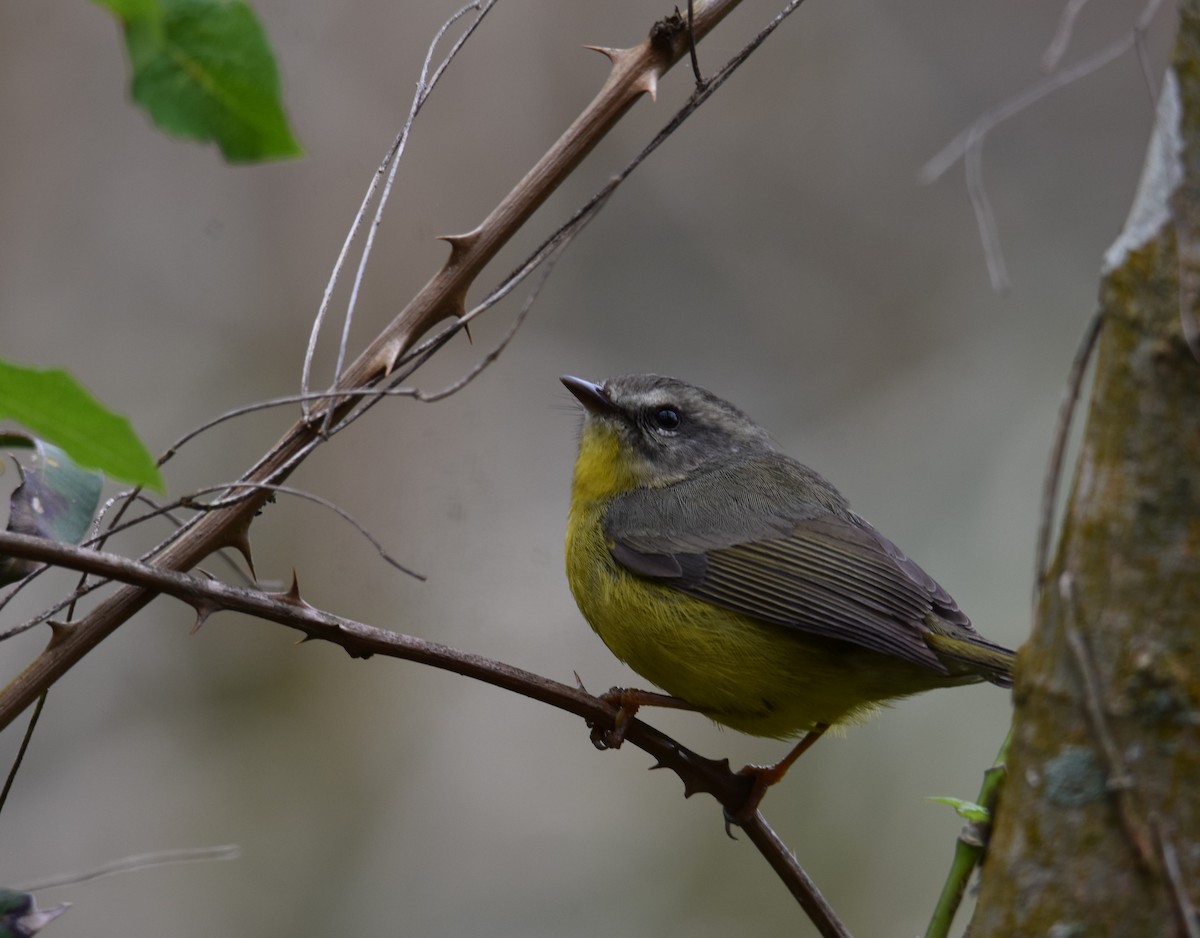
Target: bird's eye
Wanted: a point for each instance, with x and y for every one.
(666, 418)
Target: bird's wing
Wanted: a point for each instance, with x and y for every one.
(825, 572)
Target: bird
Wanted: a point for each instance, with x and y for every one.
(740, 581)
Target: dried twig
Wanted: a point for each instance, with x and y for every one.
(388, 166)
(139, 861)
(968, 145)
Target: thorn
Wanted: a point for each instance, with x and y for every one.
(203, 611)
(613, 55)
(459, 245)
(729, 822)
(239, 540)
(648, 84)
(658, 764)
(59, 632)
(292, 597)
(579, 682)
(306, 637)
(467, 330)
(387, 358)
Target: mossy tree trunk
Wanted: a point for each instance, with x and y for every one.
(1098, 826)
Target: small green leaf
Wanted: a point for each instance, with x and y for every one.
(57, 408)
(203, 69)
(964, 809)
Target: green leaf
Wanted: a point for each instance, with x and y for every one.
(57, 408)
(57, 499)
(203, 69)
(964, 809)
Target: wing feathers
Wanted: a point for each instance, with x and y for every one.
(814, 567)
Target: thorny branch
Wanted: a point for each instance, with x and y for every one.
(207, 596)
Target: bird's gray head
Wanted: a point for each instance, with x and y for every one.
(667, 428)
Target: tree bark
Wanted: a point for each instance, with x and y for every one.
(1098, 825)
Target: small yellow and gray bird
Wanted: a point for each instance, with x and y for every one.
(739, 581)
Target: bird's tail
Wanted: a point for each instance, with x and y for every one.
(990, 661)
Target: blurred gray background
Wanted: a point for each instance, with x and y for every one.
(777, 250)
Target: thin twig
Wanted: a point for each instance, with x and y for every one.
(139, 861)
(189, 501)
(974, 135)
(323, 502)
(1051, 483)
(20, 756)
(968, 144)
(1062, 36)
(425, 86)
(390, 163)
(985, 218)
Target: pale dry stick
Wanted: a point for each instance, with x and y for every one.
(1066, 28)
(390, 163)
(139, 861)
(985, 219)
(206, 596)
(968, 144)
(424, 87)
(953, 151)
(1062, 36)
(635, 72)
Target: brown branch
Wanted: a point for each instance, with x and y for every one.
(206, 596)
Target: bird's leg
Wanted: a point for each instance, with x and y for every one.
(628, 700)
(767, 775)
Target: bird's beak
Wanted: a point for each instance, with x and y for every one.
(592, 396)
